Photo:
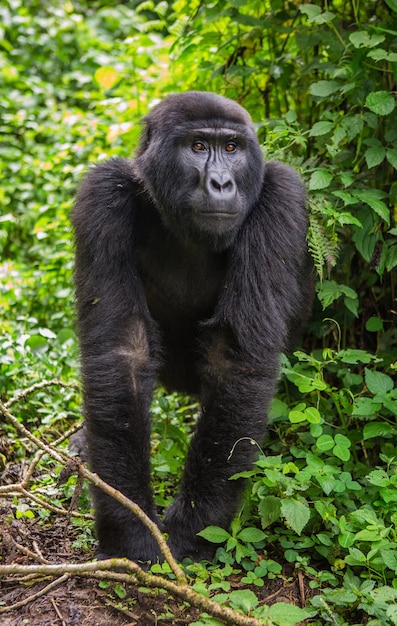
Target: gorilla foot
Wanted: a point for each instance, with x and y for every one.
(143, 550)
(182, 531)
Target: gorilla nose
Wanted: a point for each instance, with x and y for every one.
(221, 184)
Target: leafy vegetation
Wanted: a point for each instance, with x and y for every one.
(319, 81)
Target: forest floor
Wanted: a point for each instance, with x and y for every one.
(81, 601)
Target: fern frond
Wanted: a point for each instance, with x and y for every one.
(322, 243)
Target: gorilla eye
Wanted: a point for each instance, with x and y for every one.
(199, 146)
(231, 147)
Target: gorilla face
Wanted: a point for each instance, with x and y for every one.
(202, 166)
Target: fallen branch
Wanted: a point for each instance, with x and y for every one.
(102, 570)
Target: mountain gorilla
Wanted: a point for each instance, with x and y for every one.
(191, 269)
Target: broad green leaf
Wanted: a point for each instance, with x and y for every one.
(353, 125)
(389, 558)
(346, 197)
(378, 477)
(354, 356)
(296, 514)
(269, 510)
(287, 614)
(371, 197)
(320, 179)
(362, 39)
(311, 10)
(324, 88)
(214, 534)
(365, 407)
(356, 557)
(251, 535)
(377, 382)
(380, 102)
(374, 156)
(346, 539)
(377, 429)
(243, 599)
(321, 128)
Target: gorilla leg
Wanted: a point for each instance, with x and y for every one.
(235, 397)
(118, 380)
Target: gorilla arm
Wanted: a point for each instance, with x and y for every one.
(117, 356)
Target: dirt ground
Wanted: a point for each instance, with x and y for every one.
(81, 601)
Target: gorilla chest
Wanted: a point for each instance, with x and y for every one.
(181, 286)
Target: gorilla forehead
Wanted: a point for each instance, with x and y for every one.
(195, 108)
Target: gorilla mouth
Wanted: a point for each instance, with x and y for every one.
(220, 214)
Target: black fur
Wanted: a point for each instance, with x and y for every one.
(192, 269)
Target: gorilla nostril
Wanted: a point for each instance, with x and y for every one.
(215, 184)
(221, 184)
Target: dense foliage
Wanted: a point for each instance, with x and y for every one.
(319, 81)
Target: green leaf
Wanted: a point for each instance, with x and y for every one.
(243, 599)
(325, 442)
(379, 478)
(287, 614)
(251, 534)
(374, 324)
(313, 415)
(296, 514)
(389, 558)
(120, 591)
(324, 88)
(341, 449)
(269, 510)
(320, 179)
(37, 343)
(311, 10)
(214, 534)
(377, 382)
(391, 260)
(380, 102)
(391, 156)
(354, 356)
(321, 128)
(374, 156)
(296, 416)
(362, 39)
(377, 429)
(392, 4)
(342, 440)
(365, 407)
(371, 197)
